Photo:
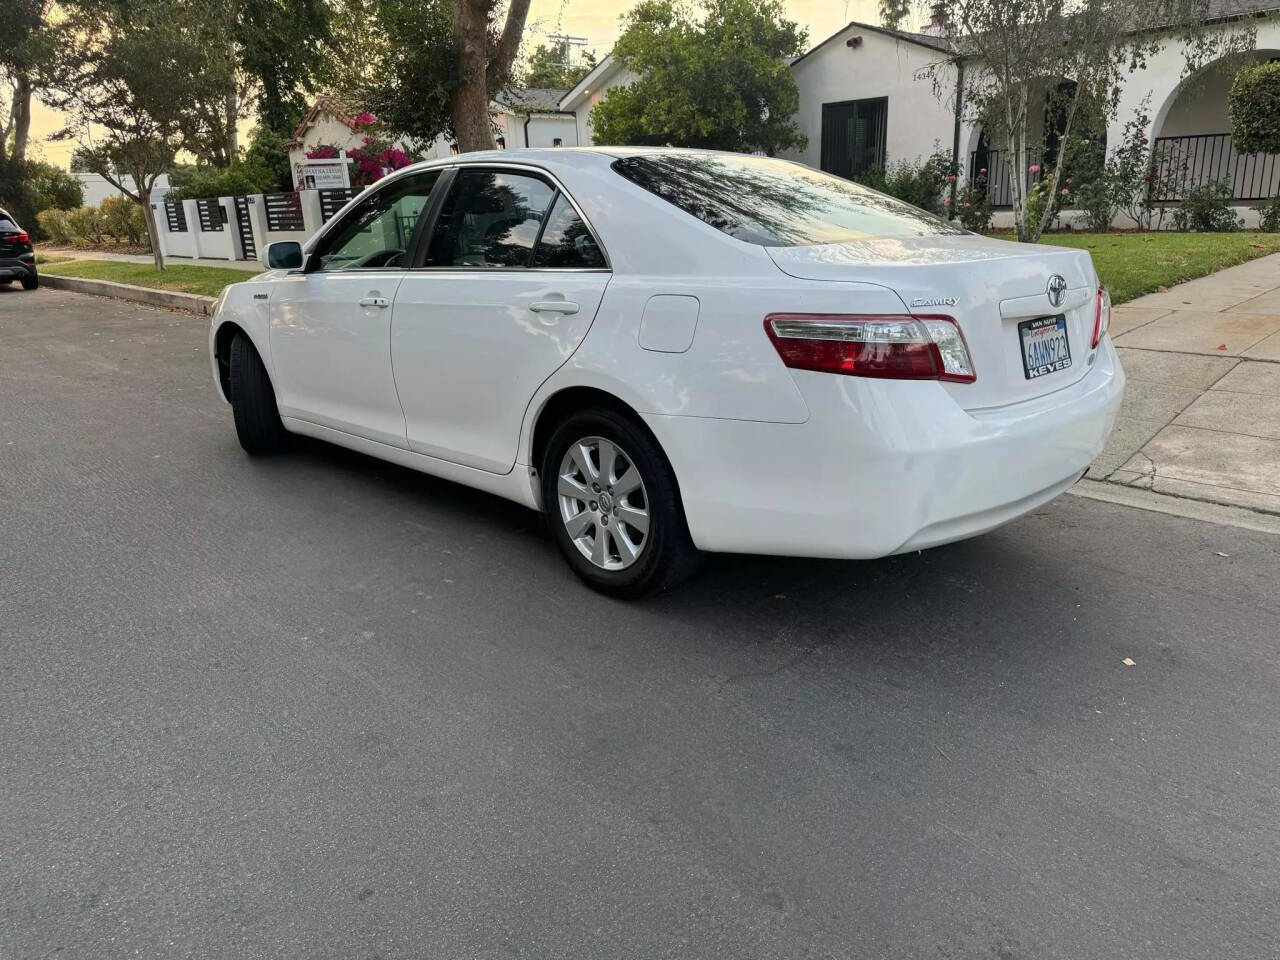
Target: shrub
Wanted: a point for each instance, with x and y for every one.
(973, 206)
(86, 226)
(1254, 106)
(53, 224)
(924, 185)
(52, 187)
(234, 181)
(1269, 215)
(1207, 209)
(1098, 201)
(268, 153)
(124, 220)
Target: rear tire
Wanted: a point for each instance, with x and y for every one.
(31, 281)
(613, 507)
(253, 401)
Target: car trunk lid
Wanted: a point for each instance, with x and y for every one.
(988, 286)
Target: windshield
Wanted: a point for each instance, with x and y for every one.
(775, 203)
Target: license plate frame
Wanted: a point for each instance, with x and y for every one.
(1044, 330)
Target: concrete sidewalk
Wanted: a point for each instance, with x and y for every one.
(1201, 415)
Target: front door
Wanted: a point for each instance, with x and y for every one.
(511, 282)
(331, 325)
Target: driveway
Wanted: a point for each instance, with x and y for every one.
(319, 706)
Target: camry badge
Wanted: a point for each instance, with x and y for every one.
(1057, 289)
(934, 302)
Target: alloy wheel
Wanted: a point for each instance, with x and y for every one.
(603, 503)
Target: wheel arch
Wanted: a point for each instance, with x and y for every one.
(222, 337)
(569, 400)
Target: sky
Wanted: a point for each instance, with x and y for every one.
(596, 20)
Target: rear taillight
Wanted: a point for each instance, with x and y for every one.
(892, 346)
(1101, 316)
(19, 237)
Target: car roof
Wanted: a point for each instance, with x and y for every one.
(562, 157)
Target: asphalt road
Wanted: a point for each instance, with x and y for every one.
(323, 707)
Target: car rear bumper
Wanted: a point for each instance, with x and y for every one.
(883, 467)
(16, 269)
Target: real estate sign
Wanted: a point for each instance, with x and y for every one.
(333, 173)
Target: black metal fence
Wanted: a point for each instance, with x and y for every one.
(284, 212)
(176, 215)
(245, 227)
(211, 216)
(333, 200)
(1183, 163)
(993, 165)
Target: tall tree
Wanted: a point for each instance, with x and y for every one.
(722, 82)
(28, 43)
(432, 66)
(129, 76)
(550, 66)
(1019, 52)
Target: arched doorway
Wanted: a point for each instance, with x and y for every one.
(1192, 142)
(990, 160)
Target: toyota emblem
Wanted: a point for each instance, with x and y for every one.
(1057, 289)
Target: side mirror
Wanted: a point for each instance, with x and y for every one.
(283, 255)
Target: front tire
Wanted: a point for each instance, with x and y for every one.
(613, 507)
(31, 281)
(253, 401)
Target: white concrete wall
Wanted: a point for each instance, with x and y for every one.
(96, 188)
(918, 121)
(582, 110)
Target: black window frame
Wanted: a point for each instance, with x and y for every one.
(313, 264)
(444, 189)
(827, 150)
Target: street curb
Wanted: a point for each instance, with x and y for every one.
(1204, 510)
(169, 299)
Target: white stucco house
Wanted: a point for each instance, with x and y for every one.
(521, 118)
(870, 96)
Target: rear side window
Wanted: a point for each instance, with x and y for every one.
(566, 242)
(774, 203)
(490, 219)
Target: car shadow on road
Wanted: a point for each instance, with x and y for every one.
(947, 594)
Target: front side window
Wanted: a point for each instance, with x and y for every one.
(377, 233)
(774, 203)
(491, 219)
(566, 242)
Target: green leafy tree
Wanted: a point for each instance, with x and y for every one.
(721, 82)
(1015, 51)
(52, 187)
(128, 77)
(432, 66)
(268, 153)
(27, 42)
(549, 66)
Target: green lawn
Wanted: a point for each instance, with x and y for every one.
(183, 278)
(1131, 264)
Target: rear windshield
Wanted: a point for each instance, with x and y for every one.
(775, 203)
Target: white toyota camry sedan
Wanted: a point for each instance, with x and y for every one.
(672, 351)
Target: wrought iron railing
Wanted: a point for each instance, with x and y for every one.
(998, 175)
(1180, 164)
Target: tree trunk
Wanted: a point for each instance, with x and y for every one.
(469, 102)
(232, 140)
(153, 230)
(21, 116)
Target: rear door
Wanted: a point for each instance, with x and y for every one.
(510, 282)
(331, 325)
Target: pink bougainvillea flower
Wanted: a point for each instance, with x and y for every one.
(983, 170)
(952, 178)
(946, 201)
(1065, 191)
(1034, 168)
(365, 119)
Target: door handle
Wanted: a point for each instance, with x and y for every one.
(567, 307)
(375, 302)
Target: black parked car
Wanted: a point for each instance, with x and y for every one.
(17, 256)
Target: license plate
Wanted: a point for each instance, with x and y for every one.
(1044, 345)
